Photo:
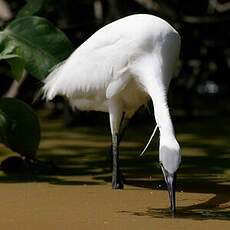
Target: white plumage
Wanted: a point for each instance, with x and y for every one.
(117, 70)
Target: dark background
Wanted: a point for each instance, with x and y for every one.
(201, 85)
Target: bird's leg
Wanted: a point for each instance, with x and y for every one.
(123, 125)
(115, 117)
(117, 182)
(110, 152)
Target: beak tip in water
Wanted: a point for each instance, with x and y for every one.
(171, 182)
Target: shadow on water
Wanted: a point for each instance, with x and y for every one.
(217, 207)
(181, 214)
(79, 154)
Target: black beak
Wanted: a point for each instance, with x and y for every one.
(170, 180)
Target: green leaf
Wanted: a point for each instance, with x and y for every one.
(17, 64)
(31, 8)
(9, 51)
(19, 127)
(41, 44)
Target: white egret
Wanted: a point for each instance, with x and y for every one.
(118, 69)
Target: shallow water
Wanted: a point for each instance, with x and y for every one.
(78, 192)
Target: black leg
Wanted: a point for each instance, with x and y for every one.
(123, 125)
(117, 182)
(110, 152)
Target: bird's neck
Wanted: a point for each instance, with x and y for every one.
(163, 120)
(161, 110)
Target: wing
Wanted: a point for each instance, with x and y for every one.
(100, 64)
(94, 66)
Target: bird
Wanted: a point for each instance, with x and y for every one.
(118, 69)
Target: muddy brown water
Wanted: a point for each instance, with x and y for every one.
(78, 194)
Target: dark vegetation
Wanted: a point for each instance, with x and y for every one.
(201, 86)
(199, 93)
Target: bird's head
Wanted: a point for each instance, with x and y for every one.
(170, 158)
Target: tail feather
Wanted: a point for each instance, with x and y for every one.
(49, 90)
